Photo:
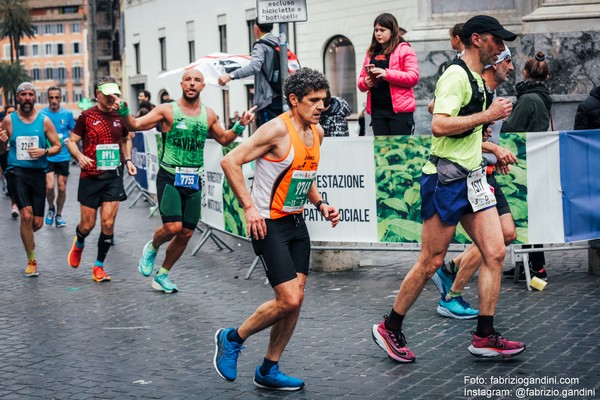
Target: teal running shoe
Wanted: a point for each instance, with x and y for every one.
(457, 308)
(60, 223)
(443, 281)
(164, 284)
(50, 217)
(277, 380)
(226, 355)
(146, 263)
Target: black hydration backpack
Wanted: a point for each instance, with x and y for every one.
(275, 78)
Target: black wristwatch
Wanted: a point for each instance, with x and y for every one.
(127, 160)
(319, 203)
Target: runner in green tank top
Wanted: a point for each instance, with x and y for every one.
(187, 124)
(184, 144)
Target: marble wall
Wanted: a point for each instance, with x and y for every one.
(574, 59)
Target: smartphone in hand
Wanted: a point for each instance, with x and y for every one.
(373, 77)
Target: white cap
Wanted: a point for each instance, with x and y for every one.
(25, 86)
(503, 56)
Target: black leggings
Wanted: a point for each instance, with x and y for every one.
(389, 123)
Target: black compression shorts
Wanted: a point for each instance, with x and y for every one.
(501, 202)
(285, 250)
(177, 204)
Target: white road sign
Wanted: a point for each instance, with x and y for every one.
(274, 11)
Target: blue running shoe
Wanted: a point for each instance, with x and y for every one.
(50, 217)
(164, 284)
(456, 308)
(60, 223)
(226, 355)
(146, 263)
(277, 380)
(443, 281)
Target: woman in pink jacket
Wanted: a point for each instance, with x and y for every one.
(389, 73)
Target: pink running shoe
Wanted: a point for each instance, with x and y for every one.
(393, 343)
(495, 345)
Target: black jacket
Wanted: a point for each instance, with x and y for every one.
(531, 112)
(588, 112)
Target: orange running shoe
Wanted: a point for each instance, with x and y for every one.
(99, 275)
(31, 270)
(75, 254)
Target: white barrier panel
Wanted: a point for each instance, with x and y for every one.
(346, 179)
(212, 185)
(144, 154)
(150, 138)
(544, 193)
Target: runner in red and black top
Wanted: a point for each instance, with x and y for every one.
(106, 151)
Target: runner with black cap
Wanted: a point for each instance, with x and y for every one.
(106, 151)
(29, 132)
(454, 189)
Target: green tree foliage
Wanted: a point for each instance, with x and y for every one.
(15, 24)
(398, 164)
(233, 212)
(514, 184)
(11, 75)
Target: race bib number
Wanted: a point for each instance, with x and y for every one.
(479, 192)
(187, 178)
(24, 143)
(298, 190)
(108, 156)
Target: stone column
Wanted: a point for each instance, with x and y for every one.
(334, 260)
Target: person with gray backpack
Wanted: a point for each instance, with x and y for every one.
(267, 93)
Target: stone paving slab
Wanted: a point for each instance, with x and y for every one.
(64, 336)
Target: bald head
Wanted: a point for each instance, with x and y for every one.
(192, 73)
(192, 83)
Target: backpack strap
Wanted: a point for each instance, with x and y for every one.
(275, 87)
(478, 98)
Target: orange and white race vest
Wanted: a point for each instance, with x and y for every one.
(281, 187)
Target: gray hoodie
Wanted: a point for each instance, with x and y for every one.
(261, 66)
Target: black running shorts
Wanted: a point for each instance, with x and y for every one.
(27, 188)
(285, 250)
(501, 202)
(59, 167)
(94, 191)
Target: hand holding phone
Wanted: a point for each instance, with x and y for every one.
(372, 76)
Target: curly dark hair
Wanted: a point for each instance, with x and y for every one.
(302, 82)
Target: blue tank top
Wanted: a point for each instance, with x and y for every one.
(64, 123)
(25, 136)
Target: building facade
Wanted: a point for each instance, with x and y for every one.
(56, 56)
(335, 38)
(104, 39)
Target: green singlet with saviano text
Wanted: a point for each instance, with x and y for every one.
(184, 143)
